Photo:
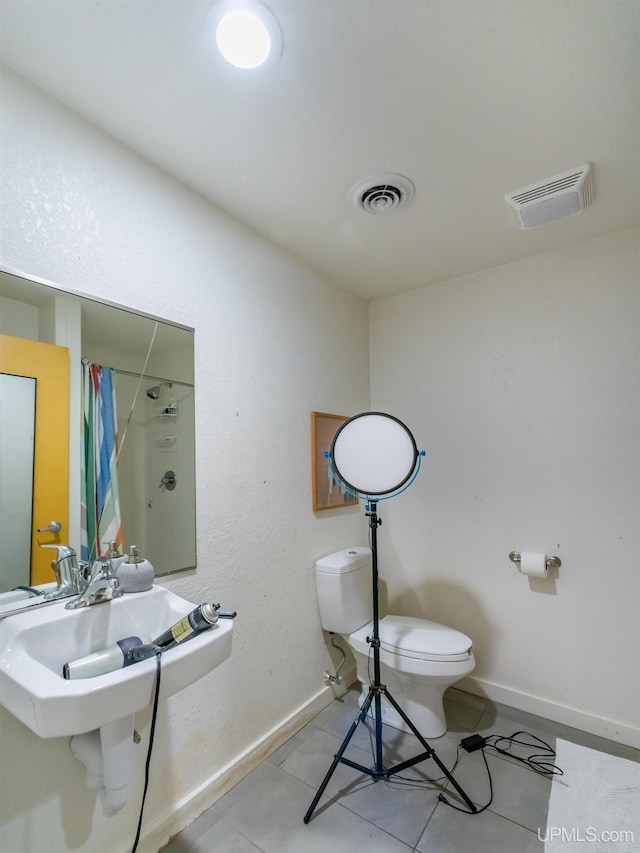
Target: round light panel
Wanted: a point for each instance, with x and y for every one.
(247, 33)
(374, 453)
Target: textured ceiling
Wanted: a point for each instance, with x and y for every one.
(470, 99)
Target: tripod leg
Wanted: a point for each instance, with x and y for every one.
(464, 796)
(338, 756)
(430, 753)
(378, 732)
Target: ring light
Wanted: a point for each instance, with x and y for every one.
(374, 453)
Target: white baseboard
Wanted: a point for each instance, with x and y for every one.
(610, 729)
(205, 795)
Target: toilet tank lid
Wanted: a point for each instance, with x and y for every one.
(411, 635)
(347, 560)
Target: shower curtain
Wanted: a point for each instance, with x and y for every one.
(100, 498)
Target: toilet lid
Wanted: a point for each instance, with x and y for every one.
(421, 638)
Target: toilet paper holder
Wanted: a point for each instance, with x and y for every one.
(552, 562)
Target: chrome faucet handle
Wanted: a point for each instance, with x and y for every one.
(102, 586)
(66, 572)
(100, 569)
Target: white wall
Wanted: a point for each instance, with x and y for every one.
(273, 342)
(18, 319)
(521, 383)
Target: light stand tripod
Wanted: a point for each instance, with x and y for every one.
(376, 691)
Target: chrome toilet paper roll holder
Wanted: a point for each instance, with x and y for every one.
(552, 562)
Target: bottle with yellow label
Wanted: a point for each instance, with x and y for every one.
(200, 619)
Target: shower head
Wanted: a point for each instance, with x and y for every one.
(153, 393)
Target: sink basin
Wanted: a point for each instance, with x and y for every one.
(35, 644)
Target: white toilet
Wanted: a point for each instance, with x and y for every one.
(419, 659)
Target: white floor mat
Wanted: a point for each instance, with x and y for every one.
(595, 806)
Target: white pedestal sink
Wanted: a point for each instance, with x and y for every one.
(35, 644)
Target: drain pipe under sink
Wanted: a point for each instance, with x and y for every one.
(107, 755)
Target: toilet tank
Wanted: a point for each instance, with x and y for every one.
(344, 587)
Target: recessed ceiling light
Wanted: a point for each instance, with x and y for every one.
(247, 34)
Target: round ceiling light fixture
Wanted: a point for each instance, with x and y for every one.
(382, 193)
(247, 33)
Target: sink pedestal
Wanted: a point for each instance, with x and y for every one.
(106, 753)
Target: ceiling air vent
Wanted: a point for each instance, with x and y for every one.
(558, 197)
(382, 193)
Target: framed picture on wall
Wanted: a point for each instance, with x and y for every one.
(326, 492)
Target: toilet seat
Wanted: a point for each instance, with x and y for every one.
(421, 639)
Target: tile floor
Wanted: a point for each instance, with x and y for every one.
(264, 812)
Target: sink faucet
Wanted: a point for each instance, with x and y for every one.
(102, 586)
(71, 576)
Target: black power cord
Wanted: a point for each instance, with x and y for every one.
(151, 734)
(143, 652)
(538, 762)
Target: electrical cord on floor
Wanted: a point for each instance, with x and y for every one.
(538, 762)
(151, 734)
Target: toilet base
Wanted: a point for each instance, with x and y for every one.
(429, 721)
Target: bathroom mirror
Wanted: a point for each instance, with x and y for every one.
(152, 367)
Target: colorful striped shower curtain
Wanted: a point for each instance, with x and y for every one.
(100, 497)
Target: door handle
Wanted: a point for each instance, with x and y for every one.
(52, 527)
